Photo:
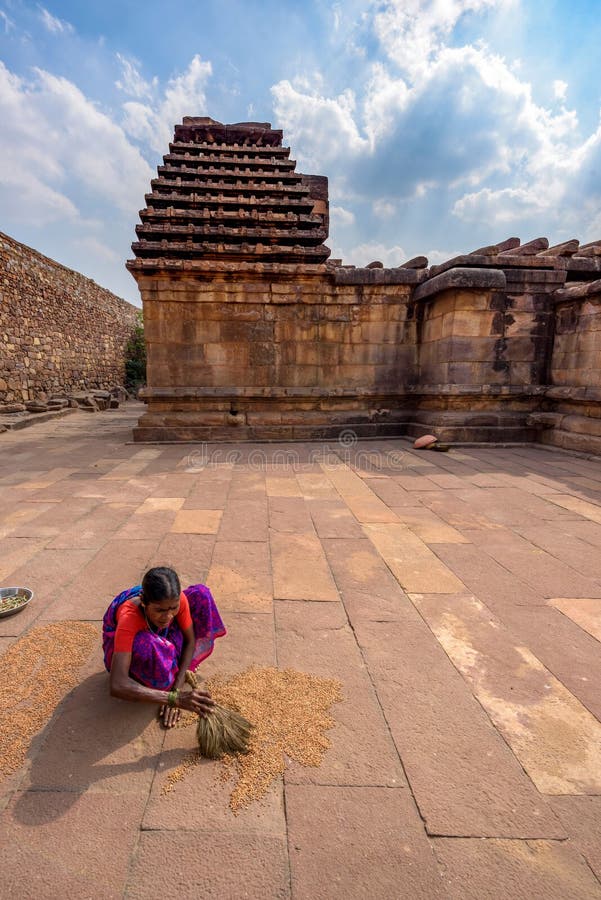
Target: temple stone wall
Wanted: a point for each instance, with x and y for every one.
(59, 331)
(254, 333)
(576, 358)
(571, 417)
(255, 341)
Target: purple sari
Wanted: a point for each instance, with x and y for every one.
(155, 657)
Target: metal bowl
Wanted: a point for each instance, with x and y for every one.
(23, 592)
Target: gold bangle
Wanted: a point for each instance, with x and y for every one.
(172, 698)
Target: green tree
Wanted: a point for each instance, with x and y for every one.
(135, 357)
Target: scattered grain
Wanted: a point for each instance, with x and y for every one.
(35, 674)
(290, 714)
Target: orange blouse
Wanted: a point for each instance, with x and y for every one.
(131, 619)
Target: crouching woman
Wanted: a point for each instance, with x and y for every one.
(152, 634)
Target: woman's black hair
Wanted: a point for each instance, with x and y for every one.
(160, 584)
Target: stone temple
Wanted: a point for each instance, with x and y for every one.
(254, 333)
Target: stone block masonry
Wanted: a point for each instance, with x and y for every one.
(253, 333)
(59, 331)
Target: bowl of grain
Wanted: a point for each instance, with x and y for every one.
(13, 600)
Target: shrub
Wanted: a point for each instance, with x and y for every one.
(135, 357)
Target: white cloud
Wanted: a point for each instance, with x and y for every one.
(131, 81)
(503, 206)
(371, 251)
(8, 23)
(97, 248)
(560, 89)
(436, 257)
(413, 32)
(441, 131)
(341, 216)
(81, 150)
(321, 129)
(54, 25)
(383, 208)
(183, 95)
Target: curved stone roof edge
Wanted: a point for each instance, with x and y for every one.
(578, 291)
(451, 279)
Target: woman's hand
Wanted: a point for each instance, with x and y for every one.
(170, 715)
(198, 702)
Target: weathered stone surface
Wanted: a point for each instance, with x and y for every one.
(585, 612)
(342, 845)
(300, 569)
(478, 279)
(475, 869)
(581, 818)
(462, 774)
(48, 849)
(73, 340)
(248, 863)
(411, 561)
(240, 575)
(555, 738)
(361, 752)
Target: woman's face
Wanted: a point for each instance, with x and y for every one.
(161, 613)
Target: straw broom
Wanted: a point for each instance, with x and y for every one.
(222, 731)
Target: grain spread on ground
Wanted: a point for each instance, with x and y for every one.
(290, 714)
(35, 674)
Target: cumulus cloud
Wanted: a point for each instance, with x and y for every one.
(152, 122)
(504, 206)
(323, 129)
(363, 254)
(341, 216)
(414, 32)
(53, 24)
(131, 81)
(49, 172)
(383, 208)
(445, 132)
(560, 89)
(97, 248)
(6, 22)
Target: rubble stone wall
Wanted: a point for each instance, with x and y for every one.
(59, 331)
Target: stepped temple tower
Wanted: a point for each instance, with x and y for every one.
(253, 333)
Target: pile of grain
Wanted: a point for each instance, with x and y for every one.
(35, 674)
(290, 712)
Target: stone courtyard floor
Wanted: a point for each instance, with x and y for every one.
(456, 596)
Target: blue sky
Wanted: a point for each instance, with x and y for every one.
(443, 125)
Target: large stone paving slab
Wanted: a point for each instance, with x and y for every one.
(362, 751)
(464, 778)
(56, 844)
(357, 842)
(447, 724)
(522, 870)
(209, 864)
(555, 738)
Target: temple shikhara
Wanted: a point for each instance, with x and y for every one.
(254, 333)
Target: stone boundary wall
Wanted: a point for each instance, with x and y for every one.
(59, 331)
